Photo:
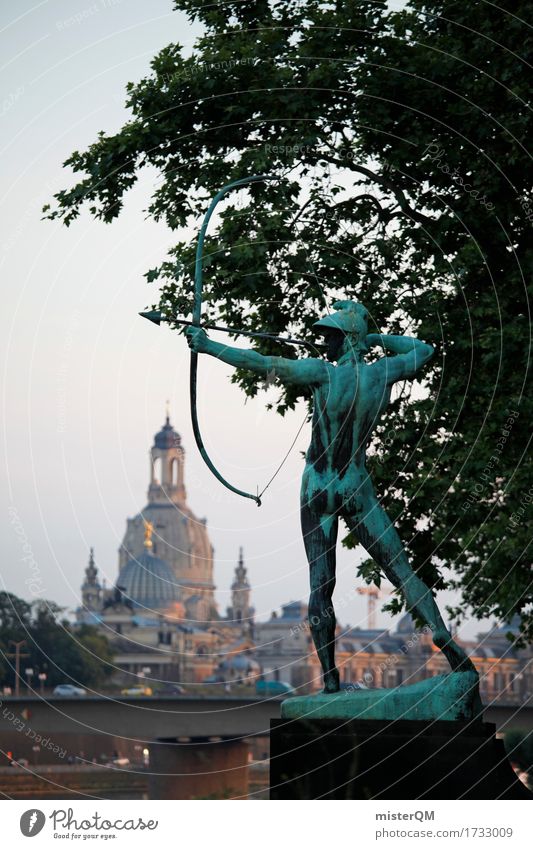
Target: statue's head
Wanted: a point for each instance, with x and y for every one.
(345, 329)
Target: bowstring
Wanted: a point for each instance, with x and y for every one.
(306, 416)
(278, 470)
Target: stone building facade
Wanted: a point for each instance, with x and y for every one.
(161, 616)
(383, 658)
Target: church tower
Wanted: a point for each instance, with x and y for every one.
(91, 590)
(167, 459)
(241, 612)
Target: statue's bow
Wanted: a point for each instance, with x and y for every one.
(196, 321)
(157, 317)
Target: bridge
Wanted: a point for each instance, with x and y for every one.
(147, 718)
(143, 718)
(196, 745)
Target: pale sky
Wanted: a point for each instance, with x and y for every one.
(86, 379)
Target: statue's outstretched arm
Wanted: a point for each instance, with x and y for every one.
(307, 371)
(411, 355)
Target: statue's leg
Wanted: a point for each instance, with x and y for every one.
(376, 533)
(320, 537)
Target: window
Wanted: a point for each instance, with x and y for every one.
(174, 471)
(156, 470)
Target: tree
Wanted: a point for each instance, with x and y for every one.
(14, 619)
(52, 644)
(398, 141)
(97, 655)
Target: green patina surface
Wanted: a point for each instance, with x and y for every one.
(350, 395)
(454, 696)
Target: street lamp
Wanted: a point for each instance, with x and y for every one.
(42, 678)
(17, 654)
(29, 676)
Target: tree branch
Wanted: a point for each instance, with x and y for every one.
(403, 203)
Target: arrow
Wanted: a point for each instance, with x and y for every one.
(156, 316)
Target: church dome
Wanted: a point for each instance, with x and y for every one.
(167, 437)
(148, 582)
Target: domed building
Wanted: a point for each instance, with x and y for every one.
(180, 539)
(149, 583)
(160, 615)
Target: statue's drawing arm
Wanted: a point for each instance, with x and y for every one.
(305, 372)
(411, 353)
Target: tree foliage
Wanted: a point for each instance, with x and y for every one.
(398, 144)
(80, 656)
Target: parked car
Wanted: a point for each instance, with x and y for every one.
(120, 761)
(20, 762)
(137, 690)
(68, 690)
(171, 690)
(273, 688)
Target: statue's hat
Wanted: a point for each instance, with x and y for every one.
(349, 317)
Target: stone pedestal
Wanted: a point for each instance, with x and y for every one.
(198, 768)
(400, 759)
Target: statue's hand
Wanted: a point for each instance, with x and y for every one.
(197, 339)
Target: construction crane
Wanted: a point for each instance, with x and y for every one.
(373, 593)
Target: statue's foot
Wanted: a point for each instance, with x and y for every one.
(455, 655)
(331, 681)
